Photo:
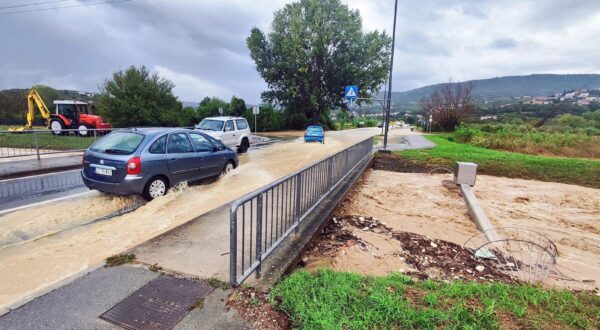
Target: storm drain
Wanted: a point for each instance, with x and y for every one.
(160, 304)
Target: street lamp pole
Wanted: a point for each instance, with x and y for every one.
(389, 91)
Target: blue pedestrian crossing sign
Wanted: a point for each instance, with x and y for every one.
(351, 92)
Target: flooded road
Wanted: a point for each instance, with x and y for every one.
(15, 193)
(44, 245)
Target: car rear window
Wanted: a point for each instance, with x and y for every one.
(241, 124)
(315, 128)
(121, 143)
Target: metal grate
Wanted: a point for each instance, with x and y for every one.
(160, 304)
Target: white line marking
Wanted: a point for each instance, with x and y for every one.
(35, 176)
(45, 202)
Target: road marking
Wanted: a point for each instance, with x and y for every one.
(45, 202)
(38, 175)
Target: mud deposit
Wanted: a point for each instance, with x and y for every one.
(427, 205)
(364, 242)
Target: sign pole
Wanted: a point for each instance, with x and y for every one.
(389, 96)
(256, 112)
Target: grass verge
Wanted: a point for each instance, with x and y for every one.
(337, 300)
(47, 140)
(503, 163)
(119, 259)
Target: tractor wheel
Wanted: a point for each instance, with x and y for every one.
(82, 129)
(56, 126)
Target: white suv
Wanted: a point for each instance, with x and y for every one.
(232, 131)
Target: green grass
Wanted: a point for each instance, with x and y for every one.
(46, 140)
(503, 163)
(338, 300)
(119, 259)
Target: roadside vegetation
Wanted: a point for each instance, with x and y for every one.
(510, 164)
(337, 300)
(526, 139)
(46, 140)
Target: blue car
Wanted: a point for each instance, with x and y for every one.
(314, 133)
(148, 161)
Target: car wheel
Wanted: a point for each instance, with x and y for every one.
(156, 187)
(56, 127)
(229, 166)
(244, 146)
(82, 130)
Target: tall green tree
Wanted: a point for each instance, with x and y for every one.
(137, 97)
(209, 107)
(315, 48)
(237, 106)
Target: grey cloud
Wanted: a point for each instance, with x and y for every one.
(503, 43)
(202, 44)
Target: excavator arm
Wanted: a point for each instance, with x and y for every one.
(34, 99)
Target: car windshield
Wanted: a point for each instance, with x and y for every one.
(122, 143)
(211, 125)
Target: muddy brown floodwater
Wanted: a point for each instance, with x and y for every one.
(44, 246)
(425, 204)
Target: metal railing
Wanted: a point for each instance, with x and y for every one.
(261, 220)
(45, 142)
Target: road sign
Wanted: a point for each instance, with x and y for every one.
(221, 111)
(430, 118)
(351, 92)
(256, 110)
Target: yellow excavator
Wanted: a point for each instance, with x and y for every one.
(69, 115)
(33, 98)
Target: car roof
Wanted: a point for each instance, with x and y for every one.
(224, 118)
(153, 130)
(315, 126)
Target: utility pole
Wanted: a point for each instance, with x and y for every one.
(389, 91)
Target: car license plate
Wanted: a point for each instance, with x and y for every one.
(103, 171)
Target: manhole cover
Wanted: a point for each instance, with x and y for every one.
(160, 304)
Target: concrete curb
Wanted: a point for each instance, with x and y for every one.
(21, 174)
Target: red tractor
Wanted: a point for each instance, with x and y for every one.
(68, 115)
(75, 115)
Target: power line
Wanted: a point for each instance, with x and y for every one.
(63, 7)
(33, 4)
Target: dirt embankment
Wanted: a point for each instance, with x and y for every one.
(428, 205)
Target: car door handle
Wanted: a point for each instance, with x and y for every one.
(173, 158)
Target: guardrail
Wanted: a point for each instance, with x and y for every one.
(261, 220)
(45, 142)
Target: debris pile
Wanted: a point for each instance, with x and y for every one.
(254, 307)
(425, 257)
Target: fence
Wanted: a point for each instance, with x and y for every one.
(261, 220)
(44, 142)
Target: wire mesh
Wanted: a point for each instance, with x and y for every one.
(521, 253)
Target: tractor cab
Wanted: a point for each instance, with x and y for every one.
(71, 109)
(75, 115)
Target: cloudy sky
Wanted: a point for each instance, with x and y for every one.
(200, 44)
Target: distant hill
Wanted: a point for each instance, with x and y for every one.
(510, 86)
